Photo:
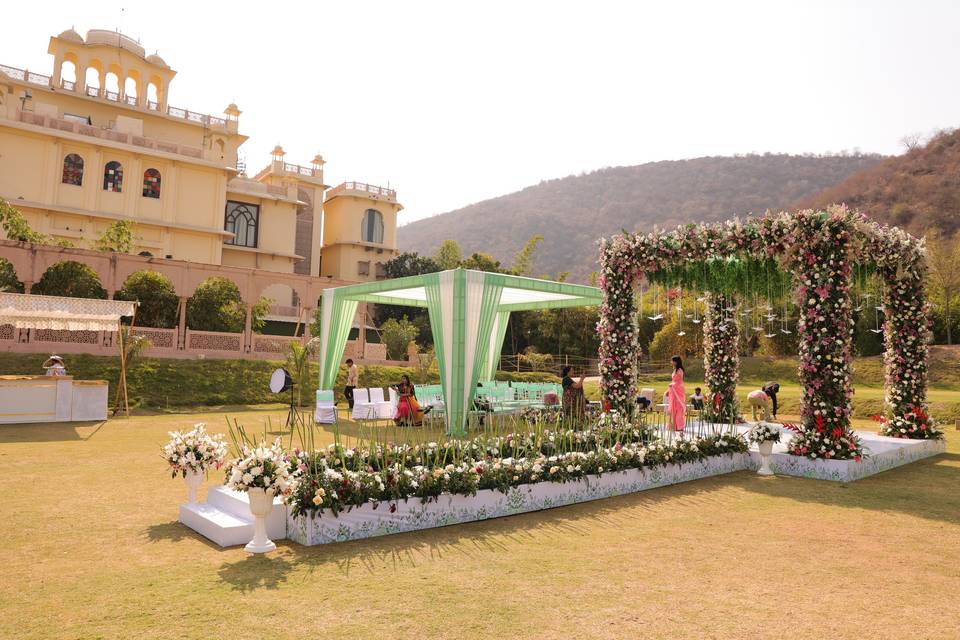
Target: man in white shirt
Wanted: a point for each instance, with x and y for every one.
(353, 379)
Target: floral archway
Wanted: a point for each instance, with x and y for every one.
(815, 251)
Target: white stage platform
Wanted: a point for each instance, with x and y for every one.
(226, 520)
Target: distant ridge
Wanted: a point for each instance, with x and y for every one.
(918, 190)
(572, 213)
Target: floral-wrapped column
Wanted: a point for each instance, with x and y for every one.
(617, 327)
(906, 332)
(721, 359)
(822, 265)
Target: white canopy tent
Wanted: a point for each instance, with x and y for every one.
(27, 311)
(469, 311)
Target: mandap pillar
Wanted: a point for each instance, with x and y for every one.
(721, 358)
(336, 318)
(463, 307)
(825, 329)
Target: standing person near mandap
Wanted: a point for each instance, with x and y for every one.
(353, 379)
(677, 396)
(54, 366)
(574, 403)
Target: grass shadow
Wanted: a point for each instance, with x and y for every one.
(175, 531)
(256, 572)
(47, 431)
(497, 536)
(924, 489)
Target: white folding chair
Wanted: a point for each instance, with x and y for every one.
(326, 412)
(363, 409)
(383, 408)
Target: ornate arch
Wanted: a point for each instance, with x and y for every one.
(817, 249)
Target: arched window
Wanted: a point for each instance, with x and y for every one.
(151, 183)
(73, 170)
(371, 229)
(242, 219)
(113, 177)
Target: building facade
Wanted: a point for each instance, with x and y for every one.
(97, 141)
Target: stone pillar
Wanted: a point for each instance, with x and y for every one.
(182, 323)
(307, 319)
(248, 330)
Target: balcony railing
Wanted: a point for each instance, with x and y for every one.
(297, 169)
(375, 191)
(113, 96)
(109, 134)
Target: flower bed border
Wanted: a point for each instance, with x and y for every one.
(414, 515)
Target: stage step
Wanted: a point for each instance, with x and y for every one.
(226, 519)
(223, 528)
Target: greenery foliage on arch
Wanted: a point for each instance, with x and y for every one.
(810, 253)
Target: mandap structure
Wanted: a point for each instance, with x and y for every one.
(468, 311)
(817, 255)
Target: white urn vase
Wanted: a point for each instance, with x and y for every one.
(766, 449)
(193, 480)
(261, 502)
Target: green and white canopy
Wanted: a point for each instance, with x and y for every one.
(468, 310)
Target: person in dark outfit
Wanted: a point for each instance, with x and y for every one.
(772, 389)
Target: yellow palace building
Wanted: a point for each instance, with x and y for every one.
(98, 141)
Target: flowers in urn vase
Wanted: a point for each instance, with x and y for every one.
(261, 467)
(194, 451)
(763, 432)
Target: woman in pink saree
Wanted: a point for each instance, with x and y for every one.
(677, 396)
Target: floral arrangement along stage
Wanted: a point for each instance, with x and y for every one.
(261, 467)
(816, 248)
(338, 478)
(194, 451)
(763, 432)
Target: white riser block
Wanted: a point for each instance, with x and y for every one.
(236, 503)
(223, 528)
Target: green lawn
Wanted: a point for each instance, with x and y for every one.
(91, 549)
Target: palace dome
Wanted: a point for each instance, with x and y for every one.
(71, 35)
(157, 60)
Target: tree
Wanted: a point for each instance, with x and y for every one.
(8, 278)
(410, 264)
(157, 297)
(298, 361)
(523, 261)
(449, 255)
(668, 342)
(118, 237)
(397, 335)
(71, 279)
(482, 262)
(216, 305)
(16, 227)
(943, 256)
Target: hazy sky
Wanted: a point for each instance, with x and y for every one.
(451, 103)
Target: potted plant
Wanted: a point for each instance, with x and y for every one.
(764, 435)
(191, 454)
(262, 472)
